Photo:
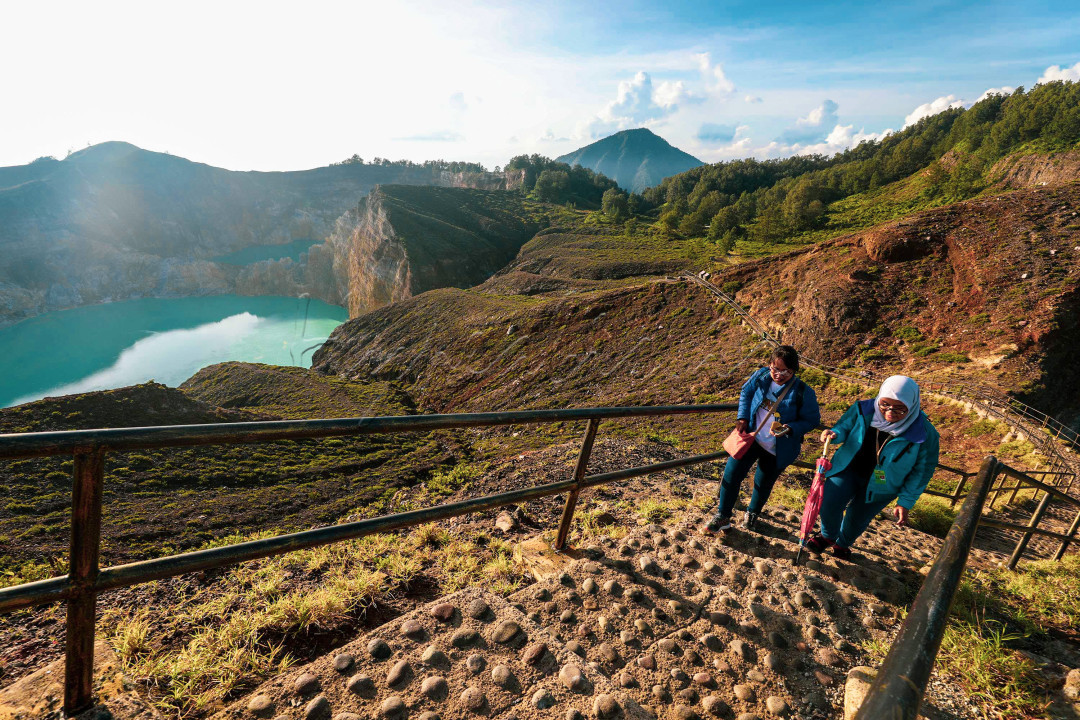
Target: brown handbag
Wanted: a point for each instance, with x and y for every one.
(738, 443)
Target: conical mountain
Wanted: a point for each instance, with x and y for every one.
(636, 159)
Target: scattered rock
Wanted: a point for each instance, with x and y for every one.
(399, 673)
(319, 707)
(534, 653)
(858, 684)
(542, 699)
(473, 698)
(506, 632)
(435, 687)
(647, 662)
(378, 649)
(744, 693)
(589, 586)
(828, 656)
(570, 676)
(478, 609)
(682, 712)
(475, 663)
(433, 655)
(343, 662)
(412, 629)
(443, 612)
(507, 522)
(261, 706)
(605, 706)
(715, 706)
(361, 685)
(502, 676)
(463, 637)
(306, 684)
(777, 705)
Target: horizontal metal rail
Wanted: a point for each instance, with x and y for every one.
(22, 445)
(53, 589)
(1002, 525)
(85, 580)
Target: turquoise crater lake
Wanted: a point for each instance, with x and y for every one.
(168, 340)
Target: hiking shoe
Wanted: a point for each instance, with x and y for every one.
(749, 520)
(841, 552)
(718, 523)
(818, 544)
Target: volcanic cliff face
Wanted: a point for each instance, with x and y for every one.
(401, 241)
(114, 222)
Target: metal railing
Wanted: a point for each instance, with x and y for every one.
(85, 579)
(900, 683)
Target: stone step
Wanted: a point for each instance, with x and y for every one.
(665, 622)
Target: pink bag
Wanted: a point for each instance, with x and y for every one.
(738, 443)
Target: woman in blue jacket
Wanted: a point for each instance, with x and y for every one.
(772, 451)
(889, 452)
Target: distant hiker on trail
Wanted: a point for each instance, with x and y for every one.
(776, 409)
(889, 451)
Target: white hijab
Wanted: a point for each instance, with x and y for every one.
(904, 389)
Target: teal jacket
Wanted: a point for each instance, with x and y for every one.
(909, 459)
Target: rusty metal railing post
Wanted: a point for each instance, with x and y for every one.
(959, 489)
(88, 477)
(1036, 518)
(579, 475)
(1071, 534)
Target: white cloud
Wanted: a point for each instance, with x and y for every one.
(823, 114)
(814, 127)
(941, 104)
(639, 103)
(1003, 90)
(669, 94)
(839, 139)
(752, 99)
(716, 82)
(1056, 72)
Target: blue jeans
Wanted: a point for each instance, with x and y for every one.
(845, 513)
(736, 470)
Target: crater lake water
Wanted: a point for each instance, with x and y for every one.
(168, 340)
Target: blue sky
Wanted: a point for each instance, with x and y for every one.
(276, 85)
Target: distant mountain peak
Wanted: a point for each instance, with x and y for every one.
(636, 159)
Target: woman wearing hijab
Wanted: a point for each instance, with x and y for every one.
(889, 450)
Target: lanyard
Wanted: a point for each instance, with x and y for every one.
(880, 447)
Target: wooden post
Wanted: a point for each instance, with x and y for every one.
(579, 475)
(82, 574)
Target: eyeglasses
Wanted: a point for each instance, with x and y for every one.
(780, 373)
(898, 410)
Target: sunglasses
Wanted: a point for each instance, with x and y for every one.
(898, 410)
(779, 373)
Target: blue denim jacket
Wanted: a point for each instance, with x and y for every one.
(800, 421)
(909, 460)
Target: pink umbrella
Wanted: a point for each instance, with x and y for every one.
(812, 508)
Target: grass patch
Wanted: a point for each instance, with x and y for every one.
(932, 515)
(236, 632)
(996, 615)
